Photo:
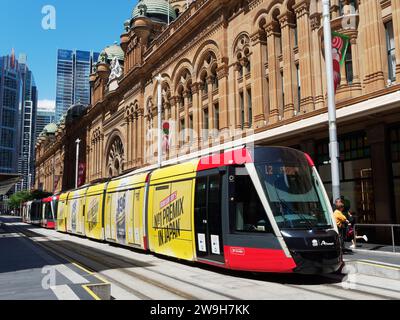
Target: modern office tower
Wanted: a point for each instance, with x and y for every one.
(26, 160)
(18, 104)
(43, 118)
(73, 70)
(10, 100)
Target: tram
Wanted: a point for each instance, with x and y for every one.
(41, 212)
(261, 210)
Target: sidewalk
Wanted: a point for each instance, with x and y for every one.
(374, 260)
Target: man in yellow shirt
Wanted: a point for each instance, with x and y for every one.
(340, 219)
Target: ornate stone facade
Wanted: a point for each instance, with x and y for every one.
(240, 68)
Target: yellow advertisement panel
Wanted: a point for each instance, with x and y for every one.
(62, 213)
(75, 214)
(124, 210)
(170, 219)
(94, 212)
(118, 204)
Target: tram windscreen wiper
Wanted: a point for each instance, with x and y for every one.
(281, 211)
(284, 203)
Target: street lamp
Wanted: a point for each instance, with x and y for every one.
(159, 79)
(78, 141)
(333, 143)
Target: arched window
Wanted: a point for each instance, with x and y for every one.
(115, 157)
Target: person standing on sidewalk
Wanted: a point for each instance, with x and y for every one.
(341, 220)
(350, 231)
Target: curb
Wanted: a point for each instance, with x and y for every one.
(372, 268)
(384, 253)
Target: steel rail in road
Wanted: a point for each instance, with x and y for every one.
(103, 260)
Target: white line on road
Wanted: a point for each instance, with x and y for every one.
(70, 274)
(64, 292)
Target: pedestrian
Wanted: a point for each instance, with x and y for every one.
(350, 231)
(341, 220)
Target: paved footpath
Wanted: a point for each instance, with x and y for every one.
(28, 272)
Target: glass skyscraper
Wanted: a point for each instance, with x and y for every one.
(10, 100)
(43, 118)
(73, 70)
(18, 107)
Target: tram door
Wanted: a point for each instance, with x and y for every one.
(207, 215)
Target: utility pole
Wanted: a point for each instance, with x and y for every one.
(159, 79)
(333, 142)
(78, 141)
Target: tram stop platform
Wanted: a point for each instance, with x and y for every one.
(374, 260)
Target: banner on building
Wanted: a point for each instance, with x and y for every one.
(340, 45)
(166, 137)
(56, 180)
(81, 174)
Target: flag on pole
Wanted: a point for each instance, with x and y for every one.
(340, 44)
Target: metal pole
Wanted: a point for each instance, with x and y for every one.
(333, 145)
(159, 114)
(78, 141)
(169, 19)
(393, 242)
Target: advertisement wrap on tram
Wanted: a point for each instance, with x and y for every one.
(261, 209)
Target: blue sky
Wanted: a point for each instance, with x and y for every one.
(80, 24)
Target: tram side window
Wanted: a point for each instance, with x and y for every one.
(47, 212)
(250, 215)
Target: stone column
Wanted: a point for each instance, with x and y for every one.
(95, 157)
(210, 105)
(396, 29)
(175, 117)
(355, 57)
(186, 106)
(102, 155)
(287, 22)
(196, 115)
(374, 44)
(139, 161)
(223, 97)
(237, 97)
(259, 41)
(246, 123)
(305, 55)
(318, 61)
(273, 67)
(134, 140)
(128, 143)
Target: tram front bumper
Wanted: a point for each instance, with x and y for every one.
(317, 262)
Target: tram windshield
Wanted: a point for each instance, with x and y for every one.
(293, 191)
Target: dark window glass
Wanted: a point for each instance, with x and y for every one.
(250, 215)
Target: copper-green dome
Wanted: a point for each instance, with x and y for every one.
(111, 52)
(154, 9)
(50, 128)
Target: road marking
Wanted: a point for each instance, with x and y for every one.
(64, 292)
(379, 265)
(95, 296)
(90, 272)
(70, 274)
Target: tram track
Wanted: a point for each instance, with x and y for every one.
(98, 261)
(105, 261)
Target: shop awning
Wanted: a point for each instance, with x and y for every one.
(7, 181)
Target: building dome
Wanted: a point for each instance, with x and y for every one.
(111, 52)
(154, 9)
(51, 128)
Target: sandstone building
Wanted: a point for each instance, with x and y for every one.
(239, 70)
